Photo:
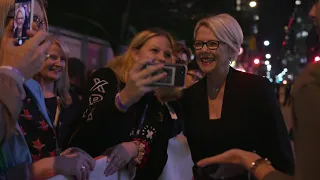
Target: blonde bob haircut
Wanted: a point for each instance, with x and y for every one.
(122, 64)
(225, 28)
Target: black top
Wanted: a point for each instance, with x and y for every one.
(251, 120)
(105, 126)
(67, 117)
(39, 135)
(51, 104)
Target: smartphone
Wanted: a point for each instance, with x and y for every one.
(23, 18)
(176, 75)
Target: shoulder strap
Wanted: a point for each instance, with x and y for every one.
(57, 115)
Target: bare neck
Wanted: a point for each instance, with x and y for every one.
(47, 88)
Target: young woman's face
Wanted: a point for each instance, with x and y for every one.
(157, 49)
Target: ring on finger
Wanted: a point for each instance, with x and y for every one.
(83, 168)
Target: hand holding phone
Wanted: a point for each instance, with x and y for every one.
(29, 57)
(175, 75)
(137, 82)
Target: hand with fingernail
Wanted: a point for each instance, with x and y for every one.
(27, 58)
(74, 162)
(119, 156)
(139, 77)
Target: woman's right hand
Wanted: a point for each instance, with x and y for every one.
(138, 80)
(78, 164)
(27, 58)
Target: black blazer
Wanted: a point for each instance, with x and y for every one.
(251, 120)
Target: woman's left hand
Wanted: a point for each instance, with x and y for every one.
(119, 156)
(234, 156)
(76, 164)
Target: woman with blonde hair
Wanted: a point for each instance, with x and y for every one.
(29, 150)
(62, 105)
(233, 109)
(125, 115)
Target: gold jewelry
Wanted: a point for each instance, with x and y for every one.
(141, 152)
(257, 162)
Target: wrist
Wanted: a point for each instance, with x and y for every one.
(248, 158)
(43, 169)
(59, 161)
(137, 159)
(259, 167)
(263, 170)
(136, 149)
(119, 104)
(125, 98)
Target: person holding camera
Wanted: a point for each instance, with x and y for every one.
(21, 100)
(126, 118)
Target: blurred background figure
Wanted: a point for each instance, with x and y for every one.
(194, 74)
(89, 73)
(76, 71)
(182, 54)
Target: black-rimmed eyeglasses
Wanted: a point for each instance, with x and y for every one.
(212, 45)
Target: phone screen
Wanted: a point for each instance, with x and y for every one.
(168, 80)
(176, 75)
(23, 17)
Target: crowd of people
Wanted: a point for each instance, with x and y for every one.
(54, 120)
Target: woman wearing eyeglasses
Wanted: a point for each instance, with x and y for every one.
(231, 109)
(62, 106)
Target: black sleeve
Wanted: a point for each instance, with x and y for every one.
(100, 93)
(102, 119)
(178, 124)
(158, 156)
(69, 118)
(271, 136)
